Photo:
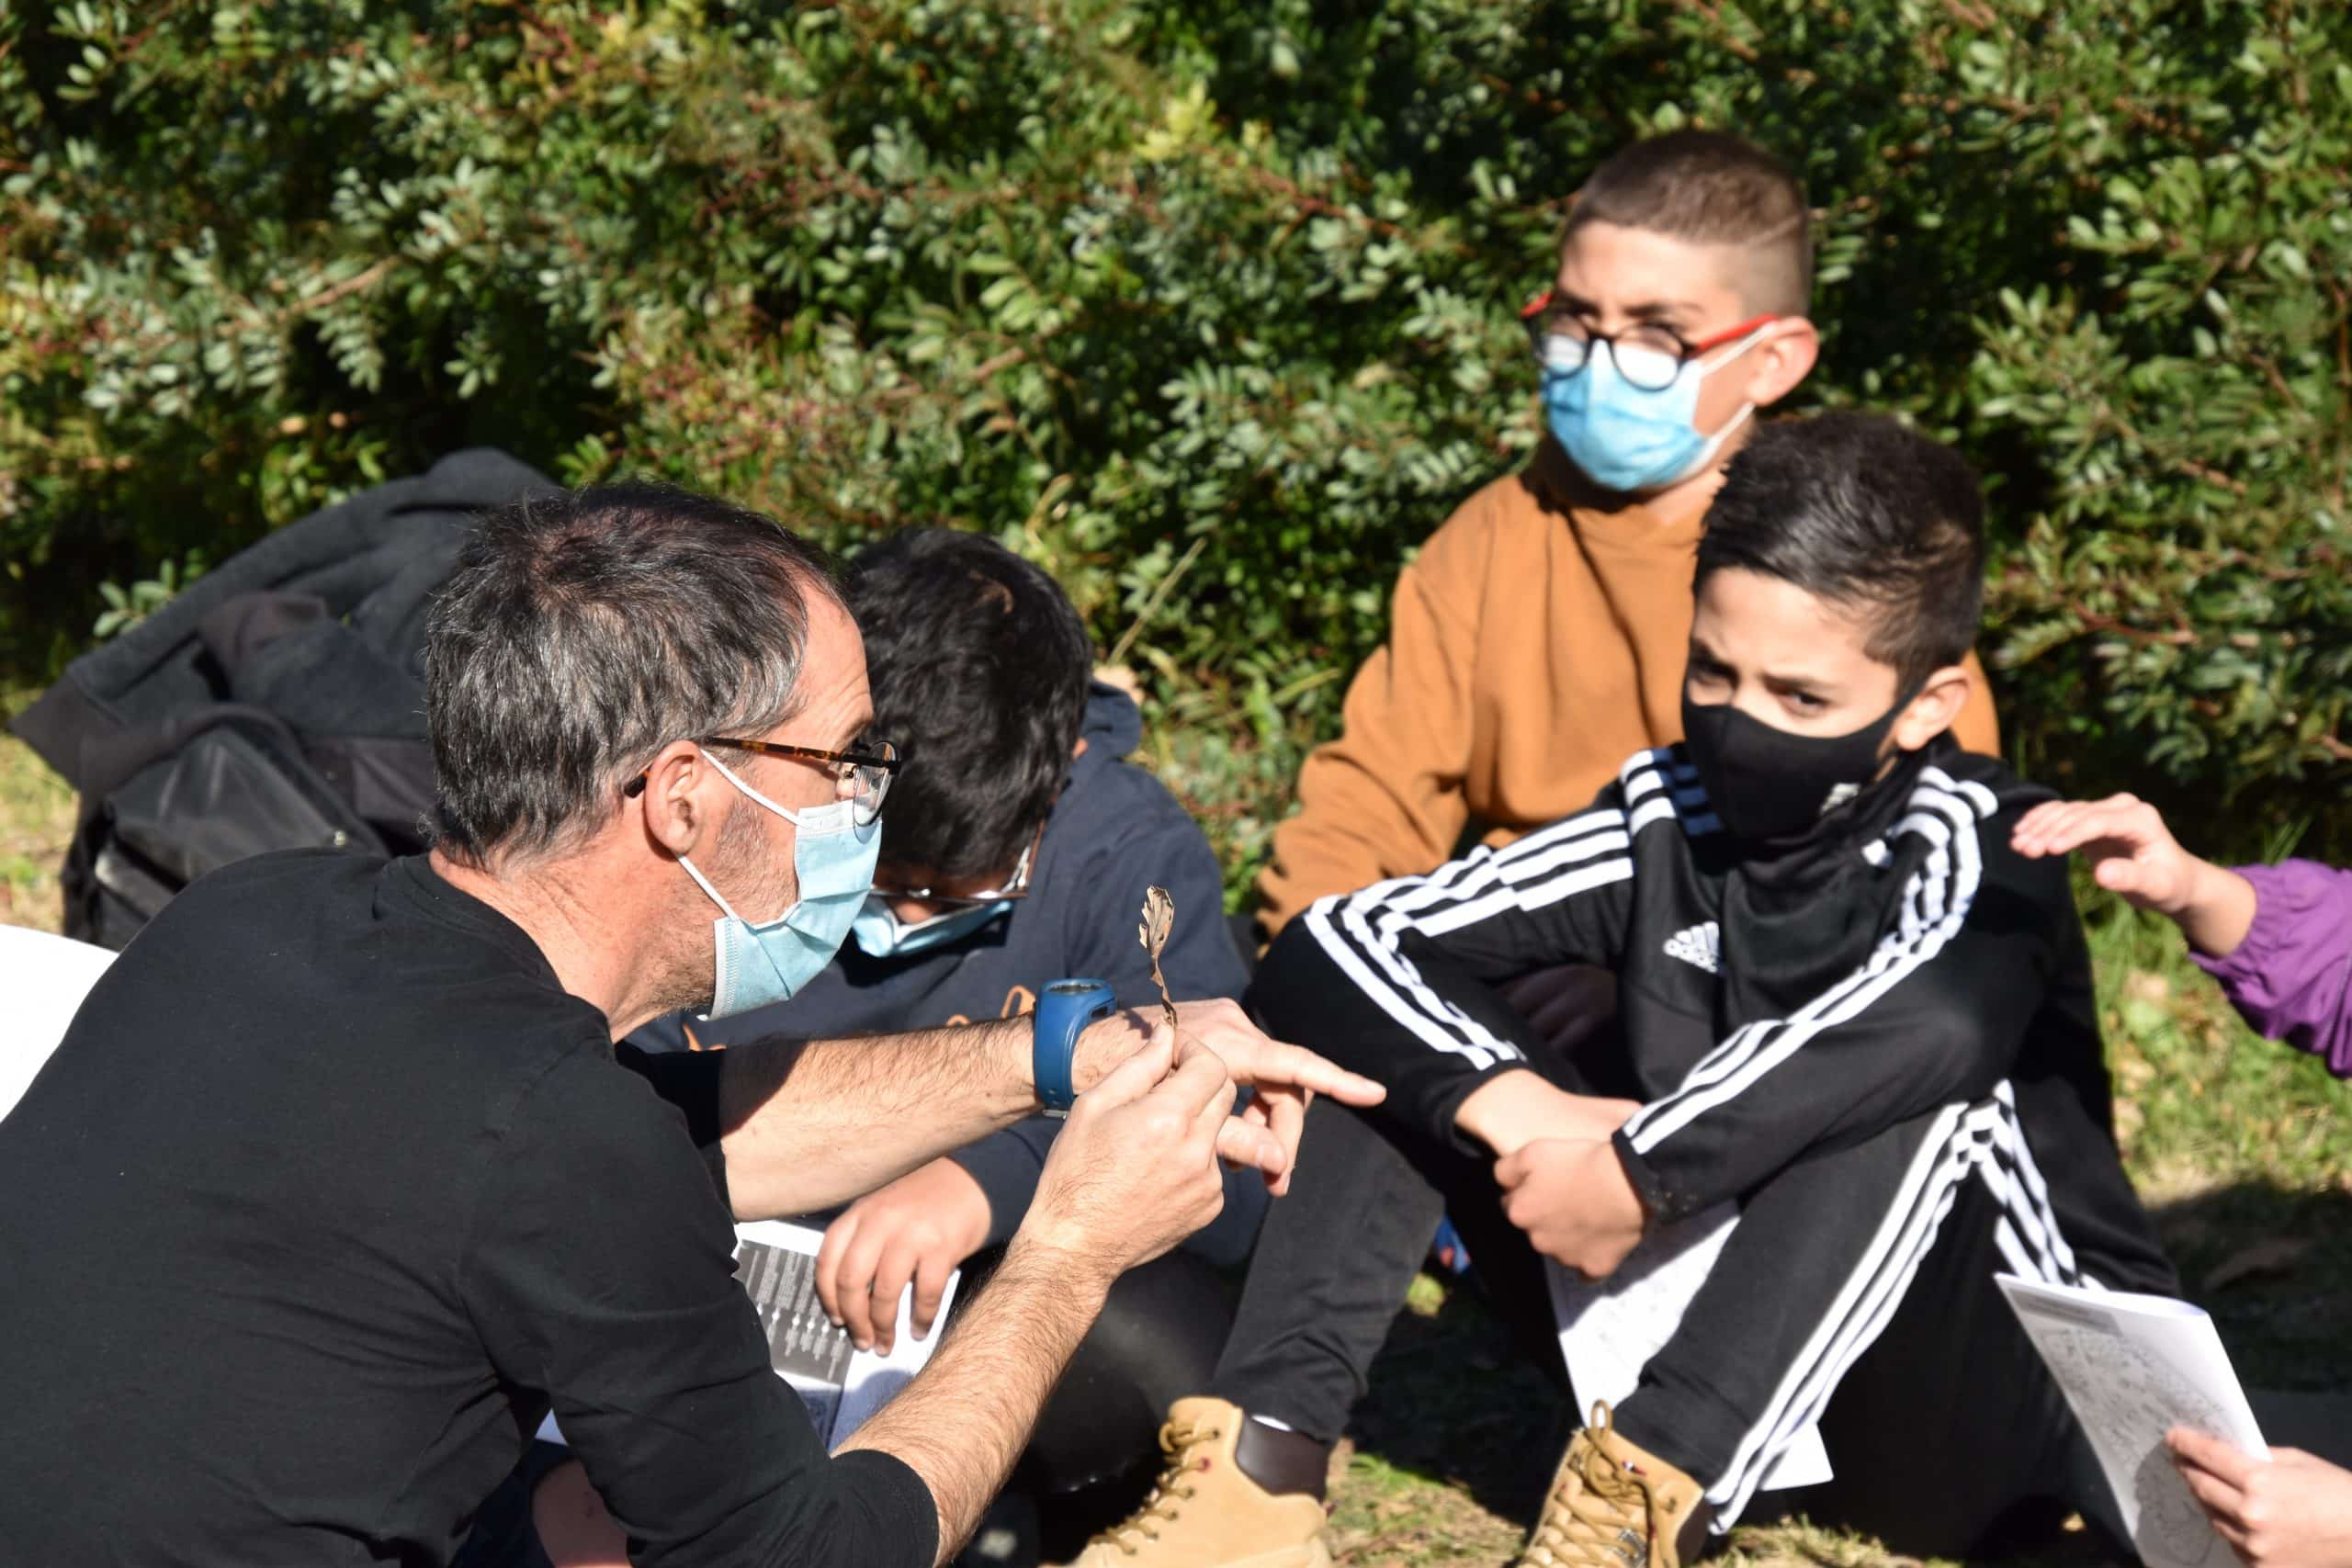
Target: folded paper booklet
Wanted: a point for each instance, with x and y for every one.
(841, 1384)
(1610, 1328)
(2134, 1367)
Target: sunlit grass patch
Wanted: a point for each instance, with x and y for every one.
(36, 823)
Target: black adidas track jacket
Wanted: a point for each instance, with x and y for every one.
(1900, 959)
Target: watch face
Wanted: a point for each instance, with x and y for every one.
(1071, 988)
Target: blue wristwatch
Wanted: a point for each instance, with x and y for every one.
(1064, 1009)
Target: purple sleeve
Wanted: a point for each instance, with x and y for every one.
(2291, 977)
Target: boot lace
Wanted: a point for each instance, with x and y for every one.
(1597, 1515)
(1178, 1441)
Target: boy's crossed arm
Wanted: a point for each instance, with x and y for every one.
(1400, 977)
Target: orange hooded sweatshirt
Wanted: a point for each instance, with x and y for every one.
(1535, 644)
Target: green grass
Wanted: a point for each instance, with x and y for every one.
(36, 823)
(2243, 1148)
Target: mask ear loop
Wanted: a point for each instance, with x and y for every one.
(732, 777)
(700, 880)
(1746, 409)
(636, 787)
(1724, 354)
(1903, 701)
(703, 883)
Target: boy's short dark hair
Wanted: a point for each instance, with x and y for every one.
(979, 669)
(1859, 510)
(1706, 188)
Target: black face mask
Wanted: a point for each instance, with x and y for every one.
(1768, 783)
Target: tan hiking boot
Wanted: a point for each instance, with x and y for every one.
(1204, 1513)
(1612, 1506)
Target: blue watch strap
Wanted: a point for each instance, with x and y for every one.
(1064, 1009)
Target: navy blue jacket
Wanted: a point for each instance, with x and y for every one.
(1114, 832)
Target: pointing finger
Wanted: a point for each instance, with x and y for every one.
(1279, 1064)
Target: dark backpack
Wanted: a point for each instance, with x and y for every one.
(278, 703)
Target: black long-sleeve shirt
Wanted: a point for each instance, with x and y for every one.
(328, 1192)
(1901, 958)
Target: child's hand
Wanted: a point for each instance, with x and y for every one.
(1574, 1201)
(1514, 1108)
(918, 1230)
(2131, 851)
(2293, 1512)
(2133, 855)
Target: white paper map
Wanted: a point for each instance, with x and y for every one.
(1610, 1328)
(841, 1384)
(2132, 1367)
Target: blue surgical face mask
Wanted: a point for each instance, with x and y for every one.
(832, 859)
(879, 933)
(1627, 437)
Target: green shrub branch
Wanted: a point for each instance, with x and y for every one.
(1208, 307)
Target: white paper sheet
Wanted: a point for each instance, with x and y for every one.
(841, 1384)
(2134, 1367)
(44, 978)
(1610, 1328)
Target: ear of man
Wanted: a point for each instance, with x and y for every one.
(1783, 358)
(675, 806)
(1770, 279)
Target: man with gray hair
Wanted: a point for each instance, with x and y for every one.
(335, 1186)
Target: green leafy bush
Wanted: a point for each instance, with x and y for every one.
(1207, 306)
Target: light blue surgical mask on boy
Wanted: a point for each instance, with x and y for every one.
(1630, 437)
(879, 933)
(833, 857)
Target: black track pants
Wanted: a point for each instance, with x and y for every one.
(1858, 1290)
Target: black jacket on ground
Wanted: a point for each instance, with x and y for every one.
(278, 703)
(1114, 830)
(1898, 959)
